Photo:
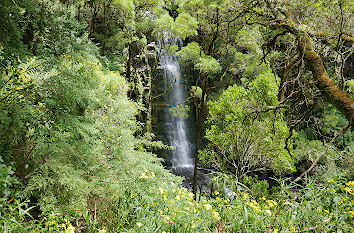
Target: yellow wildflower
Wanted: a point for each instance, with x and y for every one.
(268, 212)
(348, 189)
(167, 218)
(208, 206)
(245, 196)
(144, 176)
(331, 181)
(350, 183)
(102, 231)
(216, 215)
(351, 213)
(190, 195)
(70, 229)
(275, 230)
(254, 205)
(139, 224)
(162, 191)
(178, 198)
(271, 203)
(216, 192)
(171, 202)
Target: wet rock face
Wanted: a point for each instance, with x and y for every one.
(204, 184)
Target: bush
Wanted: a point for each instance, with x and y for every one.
(244, 134)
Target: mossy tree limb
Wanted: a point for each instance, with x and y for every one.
(329, 90)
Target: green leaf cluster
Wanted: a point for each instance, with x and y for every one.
(244, 136)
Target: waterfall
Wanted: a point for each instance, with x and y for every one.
(175, 127)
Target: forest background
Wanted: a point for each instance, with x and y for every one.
(271, 94)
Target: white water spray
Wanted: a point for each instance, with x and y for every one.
(176, 127)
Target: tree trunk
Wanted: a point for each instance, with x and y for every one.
(329, 90)
(149, 97)
(200, 117)
(78, 12)
(129, 62)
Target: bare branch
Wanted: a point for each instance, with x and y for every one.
(220, 81)
(314, 163)
(167, 90)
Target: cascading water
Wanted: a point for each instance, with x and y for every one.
(175, 127)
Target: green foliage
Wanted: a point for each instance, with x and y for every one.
(191, 53)
(350, 84)
(164, 24)
(16, 20)
(179, 111)
(328, 122)
(80, 140)
(246, 136)
(14, 215)
(208, 65)
(172, 49)
(196, 92)
(333, 163)
(322, 206)
(150, 199)
(8, 183)
(185, 25)
(246, 57)
(258, 188)
(70, 142)
(125, 5)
